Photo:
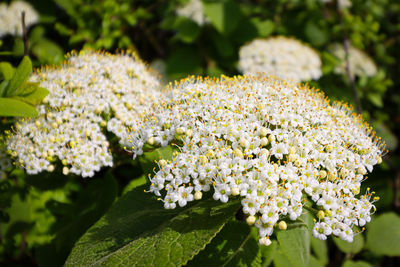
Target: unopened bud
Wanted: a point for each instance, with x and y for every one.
(282, 225)
(198, 195)
(238, 153)
(235, 191)
(321, 214)
(264, 141)
(271, 138)
(151, 141)
(251, 220)
(50, 168)
(65, 171)
(263, 131)
(322, 174)
(265, 241)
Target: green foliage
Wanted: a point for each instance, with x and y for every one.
(17, 94)
(233, 246)
(295, 245)
(139, 231)
(356, 264)
(384, 234)
(354, 247)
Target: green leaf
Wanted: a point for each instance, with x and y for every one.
(315, 34)
(281, 260)
(264, 27)
(183, 61)
(12, 107)
(138, 231)
(268, 253)
(295, 244)
(34, 97)
(233, 246)
(3, 87)
(314, 262)
(76, 218)
(224, 15)
(375, 99)
(349, 263)
(353, 247)
(21, 74)
(188, 30)
(7, 70)
(383, 235)
(320, 249)
(135, 183)
(48, 52)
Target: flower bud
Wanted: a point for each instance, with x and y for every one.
(65, 171)
(243, 142)
(162, 162)
(282, 225)
(198, 195)
(322, 174)
(251, 220)
(264, 141)
(50, 168)
(271, 138)
(151, 141)
(235, 191)
(321, 214)
(263, 132)
(265, 241)
(238, 153)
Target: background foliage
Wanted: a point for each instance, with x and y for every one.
(42, 217)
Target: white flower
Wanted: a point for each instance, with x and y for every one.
(341, 3)
(11, 17)
(280, 56)
(193, 10)
(320, 155)
(89, 87)
(360, 63)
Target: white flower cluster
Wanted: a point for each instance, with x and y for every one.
(341, 3)
(193, 10)
(11, 17)
(271, 143)
(286, 58)
(87, 91)
(360, 63)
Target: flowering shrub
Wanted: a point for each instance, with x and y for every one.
(88, 91)
(271, 142)
(280, 56)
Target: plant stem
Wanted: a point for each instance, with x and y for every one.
(25, 35)
(346, 46)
